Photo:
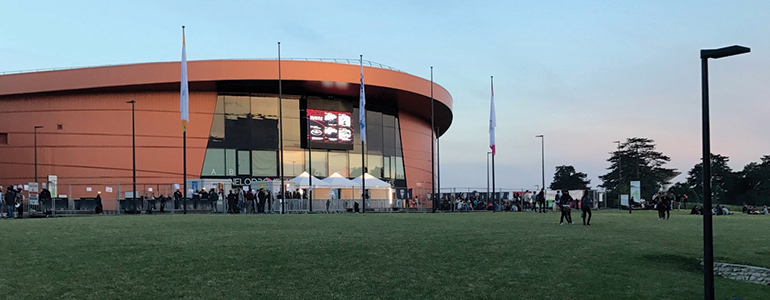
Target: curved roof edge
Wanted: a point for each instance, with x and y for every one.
(233, 70)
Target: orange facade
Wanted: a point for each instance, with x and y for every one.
(86, 134)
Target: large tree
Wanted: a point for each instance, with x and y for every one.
(566, 178)
(722, 179)
(636, 159)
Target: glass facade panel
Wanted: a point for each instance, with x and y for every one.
(244, 165)
(354, 163)
(338, 162)
(214, 163)
(374, 165)
(264, 163)
(217, 127)
(400, 168)
(294, 162)
(264, 108)
(230, 162)
(244, 140)
(237, 105)
(320, 159)
(386, 167)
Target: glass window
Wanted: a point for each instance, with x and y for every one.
(230, 162)
(386, 167)
(319, 159)
(214, 163)
(388, 141)
(393, 167)
(374, 139)
(264, 163)
(291, 108)
(291, 132)
(374, 165)
(244, 165)
(338, 162)
(219, 107)
(264, 107)
(354, 161)
(388, 121)
(237, 105)
(294, 163)
(217, 127)
(400, 168)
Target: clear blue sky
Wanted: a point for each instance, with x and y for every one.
(583, 73)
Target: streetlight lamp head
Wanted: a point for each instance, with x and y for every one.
(38, 126)
(539, 135)
(723, 52)
(131, 101)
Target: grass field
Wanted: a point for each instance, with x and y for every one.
(375, 256)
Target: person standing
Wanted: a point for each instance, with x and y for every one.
(585, 207)
(250, 197)
(541, 200)
(566, 211)
(213, 199)
(19, 203)
(98, 208)
(231, 202)
(177, 199)
(241, 198)
(10, 201)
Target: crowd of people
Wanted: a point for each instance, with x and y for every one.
(11, 202)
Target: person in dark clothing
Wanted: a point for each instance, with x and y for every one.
(261, 199)
(162, 200)
(10, 202)
(355, 207)
(566, 210)
(20, 203)
(541, 200)
(177, 199)
(669, 204)
(585, 206)
(231, 202)
(213, 198)
(98, 208)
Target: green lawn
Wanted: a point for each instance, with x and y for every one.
(375, 256)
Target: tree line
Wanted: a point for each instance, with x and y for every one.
(636, 159)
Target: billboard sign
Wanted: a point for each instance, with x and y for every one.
(329, 129)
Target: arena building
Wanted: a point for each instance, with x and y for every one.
(234, 131)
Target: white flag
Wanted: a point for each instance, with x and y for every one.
(184, 94)
(362, 105)
(492, 119)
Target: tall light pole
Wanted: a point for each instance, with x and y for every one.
(542, 157)
(708, 239)
(488, 153)
(133, 149)
(36, 128)
(620, 177)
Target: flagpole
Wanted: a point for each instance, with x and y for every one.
(184, 131)
(432, 142)
(280, 120)
(362, 117)
(491, 80)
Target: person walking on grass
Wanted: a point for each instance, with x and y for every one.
(585, 207)
(566, 210)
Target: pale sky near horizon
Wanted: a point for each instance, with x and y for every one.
(583, 73)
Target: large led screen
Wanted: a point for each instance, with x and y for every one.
(330, 129)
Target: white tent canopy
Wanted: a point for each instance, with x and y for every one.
(338, 181)
(371, 182)
(303, 181)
